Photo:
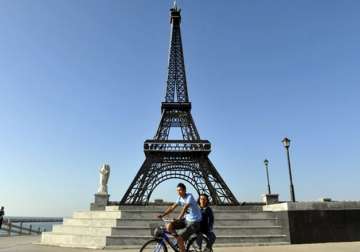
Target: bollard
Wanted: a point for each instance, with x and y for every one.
(39, 230)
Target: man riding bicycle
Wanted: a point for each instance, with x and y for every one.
(191, 212)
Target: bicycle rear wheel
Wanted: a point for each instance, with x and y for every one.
(154, 245)
(199, 243)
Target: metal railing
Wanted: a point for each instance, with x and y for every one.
(15, 226)
(177, 145)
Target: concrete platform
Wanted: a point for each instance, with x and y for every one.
(28, 244)
(119, 227)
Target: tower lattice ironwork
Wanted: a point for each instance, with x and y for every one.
(187, 158)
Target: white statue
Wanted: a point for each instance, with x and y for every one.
(104, 177)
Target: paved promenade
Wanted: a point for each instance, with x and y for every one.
(26, 244)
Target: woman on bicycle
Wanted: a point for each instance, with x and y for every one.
(207, 220)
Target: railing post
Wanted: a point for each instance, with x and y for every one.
(9, 230)
(21, 227)
(30, 227)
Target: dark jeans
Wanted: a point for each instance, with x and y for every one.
(211, 237)
(190, 228)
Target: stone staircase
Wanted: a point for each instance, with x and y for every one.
(129, 226)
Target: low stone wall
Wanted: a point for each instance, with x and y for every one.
(313, 222)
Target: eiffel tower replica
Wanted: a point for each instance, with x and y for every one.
(187, 158)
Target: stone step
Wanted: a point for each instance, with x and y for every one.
(253, 239)
(216, 245)
(132, 214)
(247, 222)
(149, 214)
(146, 222)
(244, 230)
(82, 230)
(220, 222)
(163, 207)
(248, 239)
(223, 245)
(90, 222)
(219, 230)
(158, 210)
(97, 215)
(128, 240)
(242, 215)
(136, 231)
(72, 240)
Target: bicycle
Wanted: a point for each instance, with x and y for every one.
(196, 243)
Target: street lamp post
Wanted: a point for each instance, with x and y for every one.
(266, 162)
(286, 143)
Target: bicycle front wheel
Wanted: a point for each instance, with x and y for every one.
(199, 244)
(154, 245)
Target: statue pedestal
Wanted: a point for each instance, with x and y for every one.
(101, 201)
(271, 198)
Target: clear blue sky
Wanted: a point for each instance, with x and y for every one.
(81, 84)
